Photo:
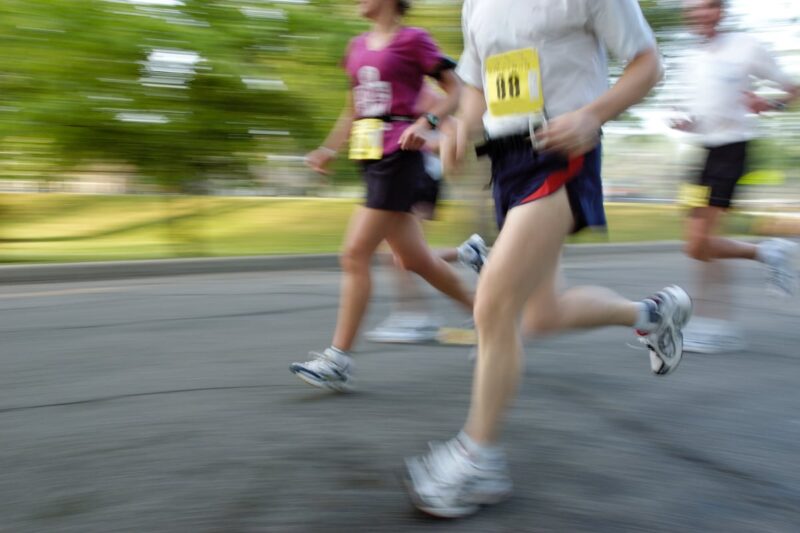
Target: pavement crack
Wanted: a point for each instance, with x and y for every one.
(115, 397)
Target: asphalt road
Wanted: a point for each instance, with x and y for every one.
(165, 404)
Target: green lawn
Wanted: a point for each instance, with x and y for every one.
(60, 227)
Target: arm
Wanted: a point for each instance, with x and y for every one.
(576, 133)
(621, 27)
(470, 120)
(413, 138)
(320, 158)
(766, 67)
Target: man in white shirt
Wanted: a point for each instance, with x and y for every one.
(537, 84)
(723, 118)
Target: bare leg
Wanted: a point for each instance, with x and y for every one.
(524, 265)
(409, 296)
(368, 227)
(582, 307)
(703, 244)
(408, 243)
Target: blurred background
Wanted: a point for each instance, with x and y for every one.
(158, 128)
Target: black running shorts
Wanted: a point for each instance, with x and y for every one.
(397, 182)
(723, 168)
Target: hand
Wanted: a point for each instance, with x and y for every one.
(319, 159)
(414, 137)
(755, 103)
(572, 134)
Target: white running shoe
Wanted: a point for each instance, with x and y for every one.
(473, 252)
(327, 370)
(448, 483)
(779, 256)
(405, 328)
(671, 309)
(711, 336)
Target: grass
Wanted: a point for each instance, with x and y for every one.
(62, 227)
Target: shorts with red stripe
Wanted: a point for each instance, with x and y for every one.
(520, 176)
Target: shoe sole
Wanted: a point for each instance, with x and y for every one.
(325, 385)
(448, 512)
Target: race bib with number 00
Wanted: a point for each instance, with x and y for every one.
(514, 83)
(366, 139)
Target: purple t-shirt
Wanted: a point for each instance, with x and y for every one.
(388, 81)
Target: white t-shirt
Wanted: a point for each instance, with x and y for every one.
(717, 76)
(571, 37)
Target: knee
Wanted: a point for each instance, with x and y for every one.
(492, 310)
(354, 259)
(697, 248)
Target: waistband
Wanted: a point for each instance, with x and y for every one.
(504, 144)
(391, 118)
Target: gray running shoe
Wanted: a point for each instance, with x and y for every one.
(671, 310)
(327, 370)
(448, 483)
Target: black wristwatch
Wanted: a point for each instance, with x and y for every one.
(433, 120)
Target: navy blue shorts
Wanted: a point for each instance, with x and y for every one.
(520, 176)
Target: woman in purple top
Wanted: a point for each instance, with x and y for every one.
(387, 67)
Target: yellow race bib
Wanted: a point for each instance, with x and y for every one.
(691, 195)
(366, 139)
(514, 83)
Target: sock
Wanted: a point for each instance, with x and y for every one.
(648, 317)
(765, 253)
(477, 451)
(338, 356)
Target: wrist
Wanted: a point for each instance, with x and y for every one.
(330, 152)
(431, 120)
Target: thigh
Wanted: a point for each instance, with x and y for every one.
(524, 259)
(407, 239)
(367, 229)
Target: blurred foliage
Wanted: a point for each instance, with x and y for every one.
(180, 90)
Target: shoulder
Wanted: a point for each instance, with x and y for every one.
(354, 45)
(413, 34)
(356, 41)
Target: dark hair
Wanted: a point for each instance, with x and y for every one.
(403, 6)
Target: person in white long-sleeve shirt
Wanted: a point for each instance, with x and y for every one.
(722, 114)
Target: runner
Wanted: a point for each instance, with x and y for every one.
(387, 67)
(411, 321)
(720, 78)
(526, 62)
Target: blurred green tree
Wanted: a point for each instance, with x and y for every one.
(183, 90)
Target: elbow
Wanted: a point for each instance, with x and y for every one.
(657, 71)
(650, 67)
